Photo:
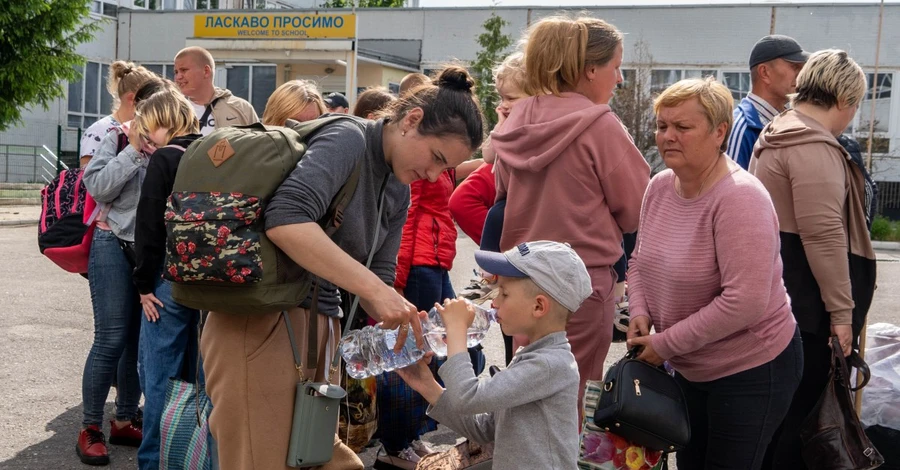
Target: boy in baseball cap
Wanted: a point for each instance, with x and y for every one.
(535, 398)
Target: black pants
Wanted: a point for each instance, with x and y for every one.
(733, 418)
(784, 451)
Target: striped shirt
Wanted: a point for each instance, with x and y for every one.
(739, 150)
(766, 111)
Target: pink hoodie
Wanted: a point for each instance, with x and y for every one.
(570, 173)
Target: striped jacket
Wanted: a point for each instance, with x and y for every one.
(744, 132)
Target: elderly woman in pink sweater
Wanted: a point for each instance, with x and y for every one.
(706, 274)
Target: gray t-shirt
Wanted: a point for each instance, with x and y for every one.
(306, 194)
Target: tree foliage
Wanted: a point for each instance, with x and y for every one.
(633, 103)
(494, 45)
(38, 39)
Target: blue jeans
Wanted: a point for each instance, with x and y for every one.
(734, 418)
(168, 349)
(117, 326)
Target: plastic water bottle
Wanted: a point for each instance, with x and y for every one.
(436, 334)
(370, 350)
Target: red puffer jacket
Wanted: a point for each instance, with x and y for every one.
(429, 236)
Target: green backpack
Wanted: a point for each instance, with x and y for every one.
(218, 256)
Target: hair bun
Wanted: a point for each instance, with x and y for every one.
(455, 78)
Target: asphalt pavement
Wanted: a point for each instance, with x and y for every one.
(46, 329)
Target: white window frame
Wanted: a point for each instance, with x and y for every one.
(865, 110)
(717, 73)
(97, 8)
(165, 66)
(250, 67)
(100, 90)
(721, 79)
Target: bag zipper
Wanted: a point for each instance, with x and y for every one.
(637, 387)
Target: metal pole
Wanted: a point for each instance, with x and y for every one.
(78, 145)
(58, 147)
(874, 89)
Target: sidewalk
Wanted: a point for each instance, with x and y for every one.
(19, 215)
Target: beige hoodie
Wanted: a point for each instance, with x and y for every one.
(818, 194)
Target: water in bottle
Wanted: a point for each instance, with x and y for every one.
(436, 334)
(370, 351)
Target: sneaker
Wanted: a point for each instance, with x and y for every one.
(420, 448)
(91, 447)
(406, 459)
(130, 435)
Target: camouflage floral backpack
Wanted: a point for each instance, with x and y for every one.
(217, 253)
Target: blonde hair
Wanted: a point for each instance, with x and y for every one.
(200, 55)
(126, 77)
(167, 108)
(290, 99)
(372, 101)
(714, 98)
(829, 78)
(559, 48)
(411, 81)
(511, 70)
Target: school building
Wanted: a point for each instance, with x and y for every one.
(258, 49)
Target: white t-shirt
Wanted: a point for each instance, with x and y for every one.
(90, 140)
(210, 124)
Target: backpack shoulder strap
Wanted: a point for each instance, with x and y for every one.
(307, 128)
(121, 142)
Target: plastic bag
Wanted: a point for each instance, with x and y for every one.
(602, 450)
(881, 397)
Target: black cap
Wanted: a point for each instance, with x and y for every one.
(334, 100)
(777, 47)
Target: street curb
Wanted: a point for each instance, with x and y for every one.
(889, 246)
(13, 223)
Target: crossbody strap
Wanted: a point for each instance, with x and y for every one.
(208, 111)
(335, 361)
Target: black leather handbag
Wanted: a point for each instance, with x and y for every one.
(832, 436)
(644, 405)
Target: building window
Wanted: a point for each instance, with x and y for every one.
(156, 4)
(201, 4)
(661, 79)
(254, 83)
(105, 7)
(88, 98)
(882, 95)
(738, 83)
(163, 70)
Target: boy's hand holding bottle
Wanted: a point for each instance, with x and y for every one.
(457, 316)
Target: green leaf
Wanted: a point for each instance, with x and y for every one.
(494, 44)
(38, 41)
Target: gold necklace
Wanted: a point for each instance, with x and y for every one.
(681, 192)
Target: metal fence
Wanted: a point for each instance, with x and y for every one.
(37, 153)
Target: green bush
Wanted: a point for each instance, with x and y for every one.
(882, 228)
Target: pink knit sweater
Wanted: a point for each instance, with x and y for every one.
(707, 271)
